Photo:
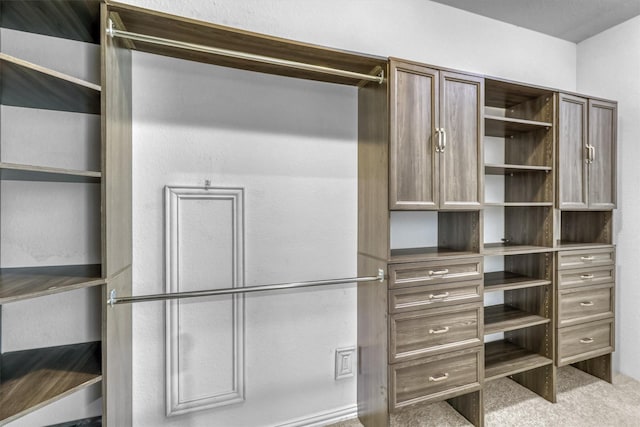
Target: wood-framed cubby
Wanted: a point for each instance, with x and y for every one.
(50, 203)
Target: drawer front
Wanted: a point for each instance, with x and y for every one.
(432, 296)
(427, 332)
(581, 305)
(586, 277)
(584, 341)
(434, 378)
(585, 258)
(431, 272)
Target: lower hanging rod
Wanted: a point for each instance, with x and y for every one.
(113, 297)
(113, 32)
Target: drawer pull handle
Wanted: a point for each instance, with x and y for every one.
(438, 272)
(438, 296)
(439, 330)
(586, 303)
(587, 258)
(586, 340)
(586, 276)
(440, 378)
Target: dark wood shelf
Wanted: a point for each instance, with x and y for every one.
(17, 172)
(565, 245)
(25, 84)
(158, 24)
(506, 280)
(426, 253)
(69, 19)
(518, 204)
(504, 169)
(503, 358)
(507, 126)
(491, 249)
(31, 379)
(503, 318)
(31, 282)
(506, 94)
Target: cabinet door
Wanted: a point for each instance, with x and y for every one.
(572, 153)
(461, 161)
(602, 169)
(413, 167)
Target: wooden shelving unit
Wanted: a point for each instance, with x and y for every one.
(508, 126)
(33, 378)
(506, 280)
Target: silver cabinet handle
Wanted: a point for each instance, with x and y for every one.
(436, 296)
(586, 304)
(439, 378)
(593, 153)
(588, 154)
(444, 139)
(438, 272)
(439, 144)
(587, 258)
(586, 340)
(439, 330)
(586, 276)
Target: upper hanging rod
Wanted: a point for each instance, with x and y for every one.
(113, 32)
(113, 298)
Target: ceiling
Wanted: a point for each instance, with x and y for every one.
(572, 20)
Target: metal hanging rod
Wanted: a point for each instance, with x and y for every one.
(113, 32)
(113, 298)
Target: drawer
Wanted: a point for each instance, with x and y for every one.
(584, 341)
(431, 272)
(434, 378)
(579, 305)
(438, 295)
(586, 276)
(585, 258)
(422, 333)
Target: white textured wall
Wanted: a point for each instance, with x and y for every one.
(208, 138)
(609, 66)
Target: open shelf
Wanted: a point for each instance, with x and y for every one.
(31, 379)
(25, 84)
(503, 318)
(507, 126)
(421, 254)
(503, 358)
(506, 94)
(17, 172)
(81, 18)
(506, 280)
(491, 249)
(31, 282)
(504, 169)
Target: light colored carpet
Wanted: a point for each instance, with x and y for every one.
(583, 401)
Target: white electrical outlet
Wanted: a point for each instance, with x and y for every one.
(345, 362)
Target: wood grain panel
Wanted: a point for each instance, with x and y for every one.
(571, 162)
(432, 272)
(413, 160)
(504, 358)
(462, 161)
(586, 227)
(586, 276)
(506, 280)
(529, 187)
(34, 378)
(581, 305)
(529, 226)
(586, 258)
(422, 333)
(507, 127)
(602, 171)
(541, 380)
(81, 18)
(502, 318)
(536, 148)
(470, 406)
(507, 94)
(22, 283)
(373, 171)
(153, 23)
(434, 378)
(460, 231)
(599, 366)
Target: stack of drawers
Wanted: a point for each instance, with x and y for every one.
(586, 279)
(435, 330)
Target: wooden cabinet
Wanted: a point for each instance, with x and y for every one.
(586, 153)
(435, 138)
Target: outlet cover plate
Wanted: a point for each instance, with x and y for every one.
(345, 362)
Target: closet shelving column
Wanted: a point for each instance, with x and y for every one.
(518, 218)
(42, 254)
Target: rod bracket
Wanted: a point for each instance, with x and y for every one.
(381, 77)
(112, 298)
(110, 28)
(380, 275)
